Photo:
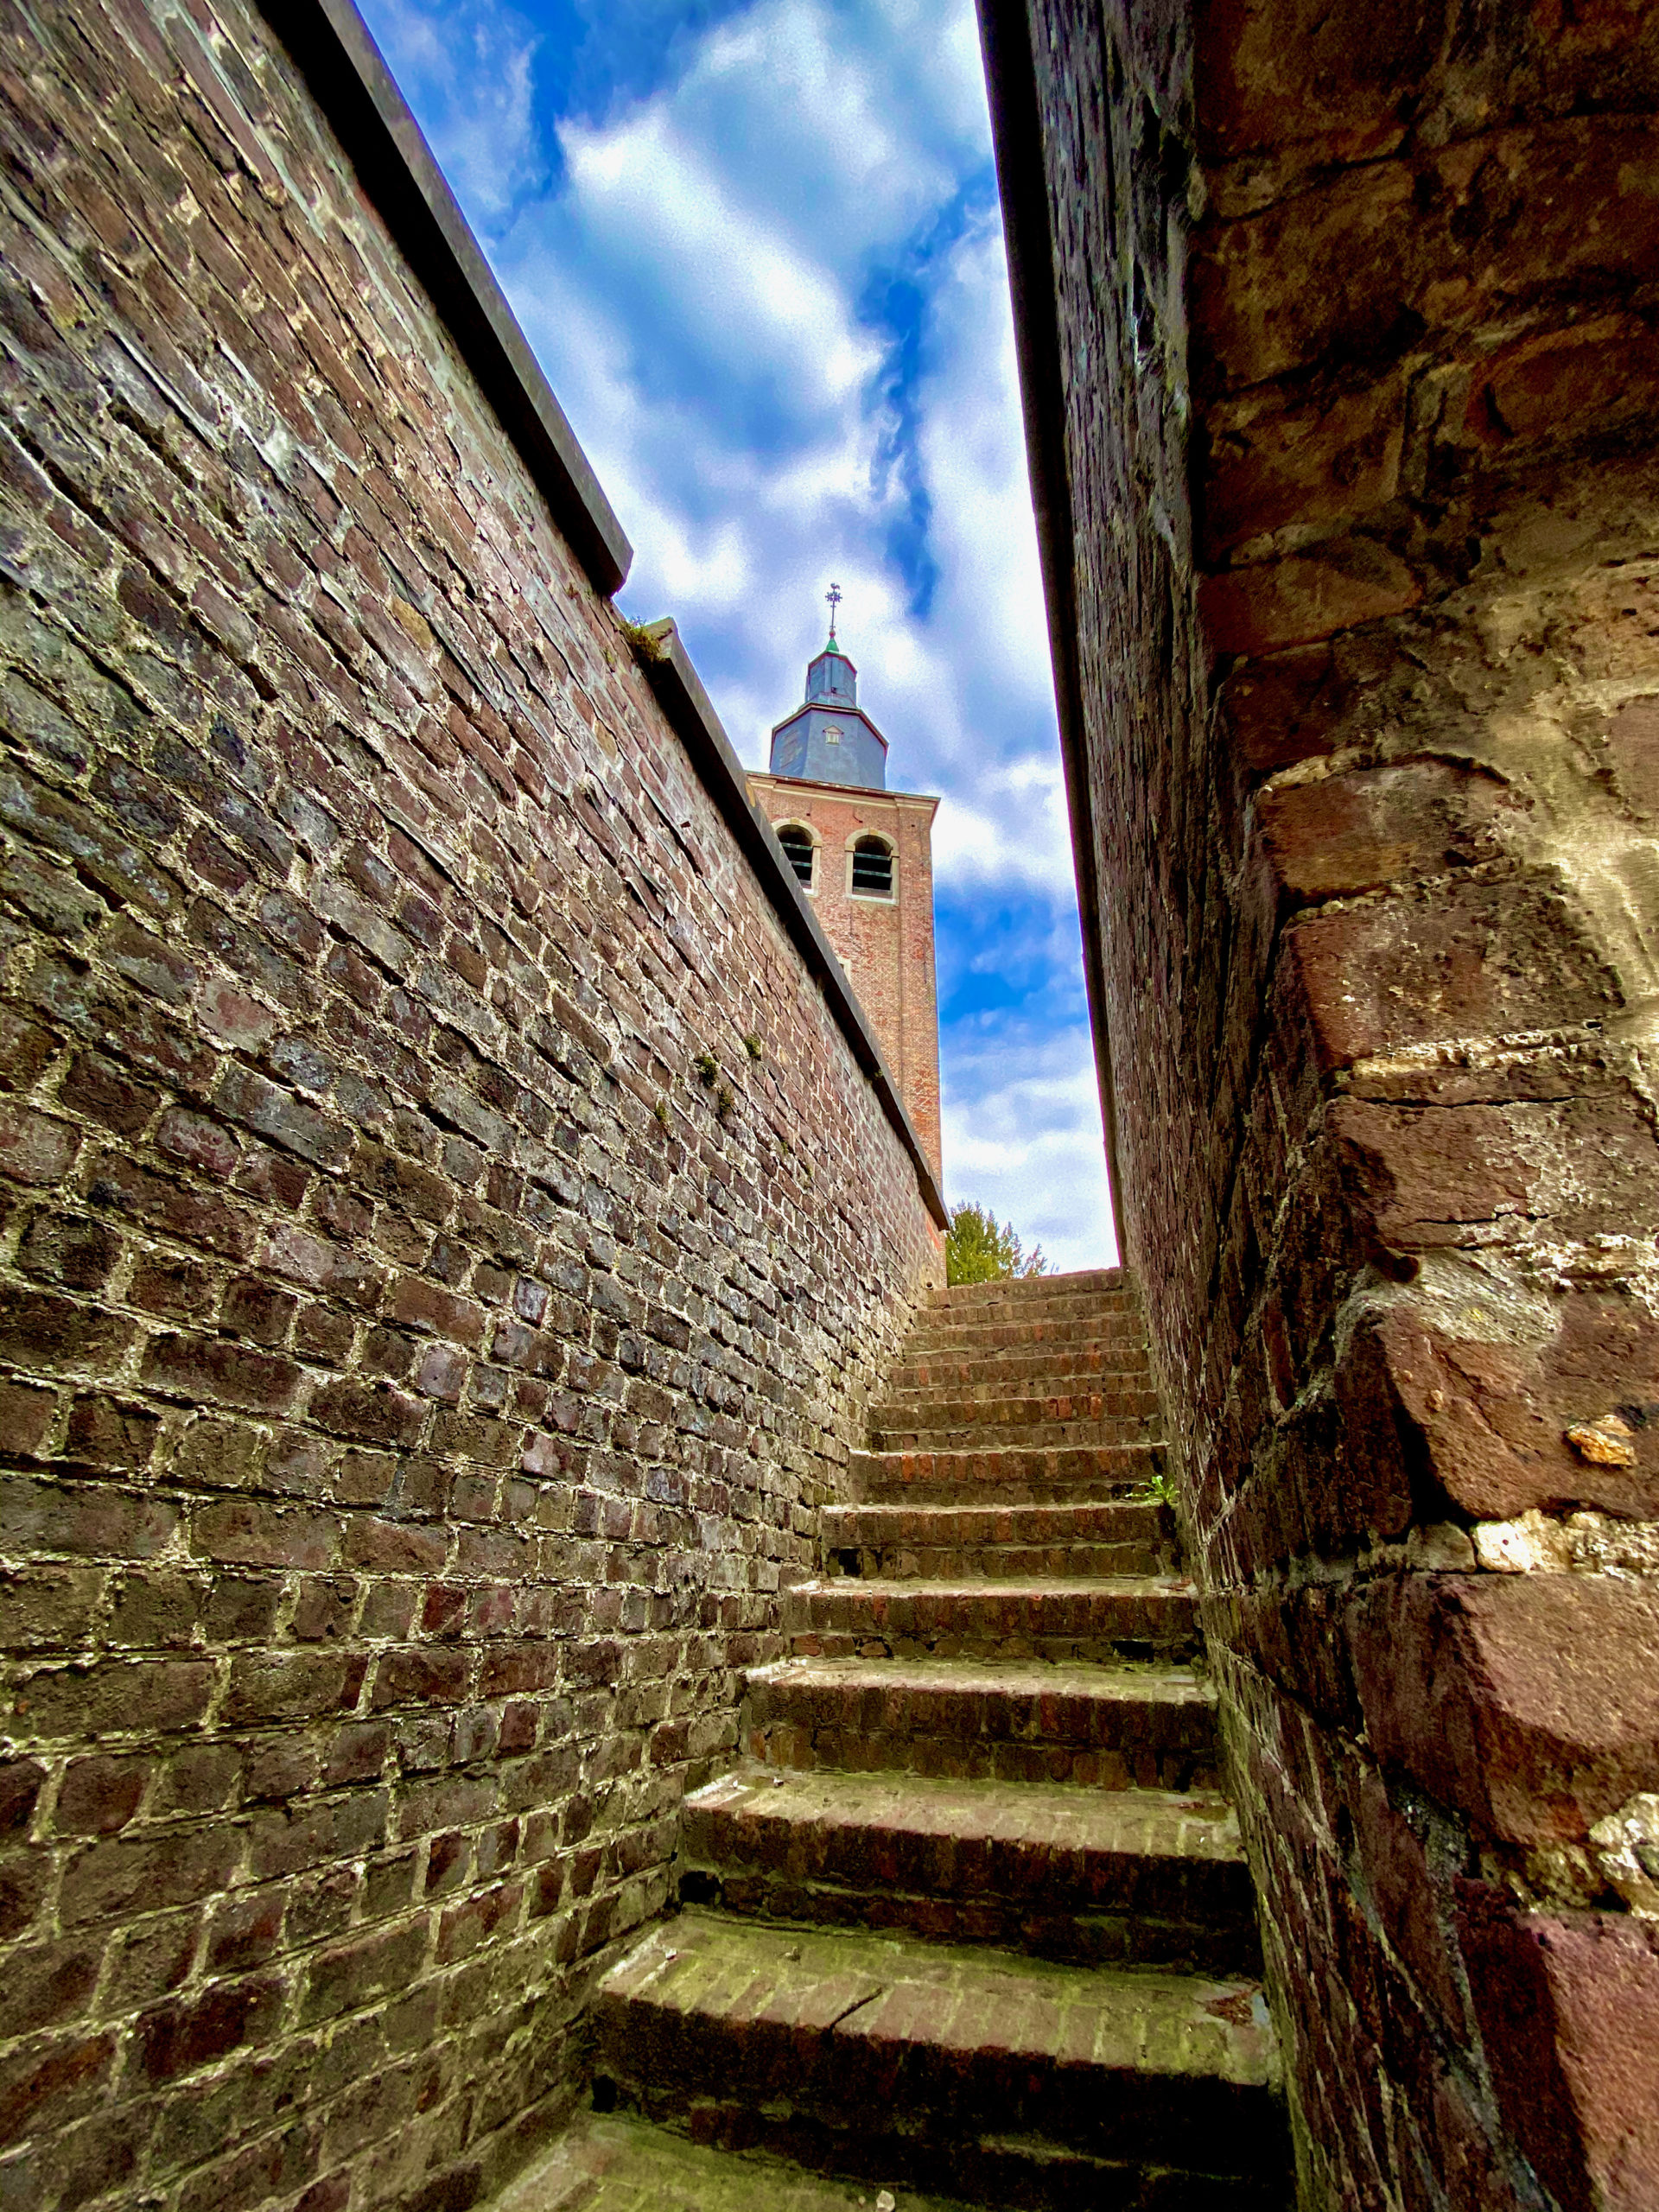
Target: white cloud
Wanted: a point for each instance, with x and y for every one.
(1015, 830)
(1029, 1148)
(468, 73)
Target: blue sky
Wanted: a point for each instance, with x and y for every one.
(757, 250)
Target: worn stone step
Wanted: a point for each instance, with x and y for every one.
(1123, 1727)
(993, 1339)
(1022, 1436)
(1057, 1304)
(1018, 1474)
(1027, 1302)
(1097, 1877)
(1119, 1536)
(1084, 1618)
(913, 2061)
(1035, 1294)
(1080, 1401)
(614, 2161)
(1040, 1374)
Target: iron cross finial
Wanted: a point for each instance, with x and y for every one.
(834, 597)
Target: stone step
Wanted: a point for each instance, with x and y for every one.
(1021, 1289)
(913, 2063)
(1028, 1300)
(1023, 1436)
(993, 1340)
(1083, 1399)
(1124, 1726)
(1123, 1536)
(1038, 1374)
(1020, 1474)
(1055, 1304)
(1077, 1618)
(612, 2162)
(1100, 1877)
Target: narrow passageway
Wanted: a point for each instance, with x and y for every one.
(970, 1917)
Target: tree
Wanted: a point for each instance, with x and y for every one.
(979, 1250)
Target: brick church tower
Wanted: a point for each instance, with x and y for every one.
(865, 857)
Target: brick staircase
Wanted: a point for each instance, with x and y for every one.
(971, 1919)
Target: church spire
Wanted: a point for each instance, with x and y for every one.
(830, 738)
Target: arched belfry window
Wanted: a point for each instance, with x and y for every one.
(801, 847)
(872, 870)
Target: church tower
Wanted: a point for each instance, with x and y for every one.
(864, 856)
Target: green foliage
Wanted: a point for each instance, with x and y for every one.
(648, 648)
(755, 1048)
(979, 1248)
(708, 1068)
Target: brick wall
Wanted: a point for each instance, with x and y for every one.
(415, 1377)
(1340, 362)
(886, 946)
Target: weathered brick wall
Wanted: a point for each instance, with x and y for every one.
(1356, 340)
(414, 1379)
(886, 947)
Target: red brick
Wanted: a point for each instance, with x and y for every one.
(26, 1415)
(255, 1533)
(368, 1414)
(81, 1519)
(181, 2037)
(229, 1374)
(179, 1210)
(34, 1148)
(111, 1435)
(297, 1685)
(424, 1677)
(21, 1782)
(112, 1696)
(106, 1094)
(47, 1985)
(40, 2088)
(98, 1796)
(357, 1973)
(49, 1334)
(1273, 461)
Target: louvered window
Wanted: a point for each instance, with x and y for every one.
(798, 843)
(873, 868)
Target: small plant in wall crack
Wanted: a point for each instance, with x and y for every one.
(753, 1047)
(724, 1101)
(660, 1110)
(708, 1068)
(647, 646)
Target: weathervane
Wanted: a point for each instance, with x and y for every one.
(834, 597)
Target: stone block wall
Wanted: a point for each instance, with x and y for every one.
(1338, 338)
(415, 1377)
